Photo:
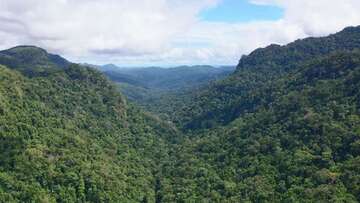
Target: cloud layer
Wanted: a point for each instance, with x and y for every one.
(161, 31)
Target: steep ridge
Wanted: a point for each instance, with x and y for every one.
(67, 135)
(303, 146)
(226, 100)
(32, 61)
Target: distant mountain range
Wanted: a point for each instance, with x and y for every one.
(149, 86)
(167, 78)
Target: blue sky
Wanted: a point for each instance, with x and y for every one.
(241, 11)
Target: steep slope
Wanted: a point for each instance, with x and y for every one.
(32, 60)
(302, 146)
(67, 135)
(238, 94)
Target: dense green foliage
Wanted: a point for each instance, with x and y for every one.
(285, 127)
(32, 61)
(70, 137)
(301, 147)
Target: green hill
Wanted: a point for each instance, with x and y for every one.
(238, 94)
(39, 61)
(69, 136)
(302, 146)
(283, 128)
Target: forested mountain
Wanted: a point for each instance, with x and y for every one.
(23, 57)
(244, 91)
(284, 127)
(301, 144)
(70, 136)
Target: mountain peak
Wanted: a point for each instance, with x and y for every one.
(110, 66)
(26, 48)
(31, 57)
(279, 58)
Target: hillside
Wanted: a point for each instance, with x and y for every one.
(239, 94)
(69, 136)
(40, 61)
(283, 128)
(303, 146)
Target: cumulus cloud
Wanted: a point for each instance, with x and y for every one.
(302, 18)
(83, 27)
(162, 31)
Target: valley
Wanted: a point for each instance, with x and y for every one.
(157, 89)
(283, 126)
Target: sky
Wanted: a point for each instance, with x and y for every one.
(167, 32)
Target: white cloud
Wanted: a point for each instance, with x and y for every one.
(109, 27)
(302, 18)
(161, 31)
(321, 17)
